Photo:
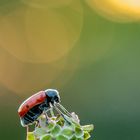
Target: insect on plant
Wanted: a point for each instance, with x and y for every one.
(40, 103)
(46, 103)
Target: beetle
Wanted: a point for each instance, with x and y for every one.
(34, 106)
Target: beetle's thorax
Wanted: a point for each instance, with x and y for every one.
(52, 96)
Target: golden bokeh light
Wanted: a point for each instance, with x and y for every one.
(47, 3)
(41, 35)
(117, 10)
(26, 78)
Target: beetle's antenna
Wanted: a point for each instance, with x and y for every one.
(64, 109)
(58, 110)
(46, 115)
(37, 123)
(63, 115)
(51, 110)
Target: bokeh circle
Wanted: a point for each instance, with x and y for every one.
(117, 10)
(41, 35)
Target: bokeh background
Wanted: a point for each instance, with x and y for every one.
(87, 49)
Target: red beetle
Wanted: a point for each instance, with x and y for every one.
(34, 106)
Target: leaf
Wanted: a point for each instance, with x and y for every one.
(78, 132)
(51, 126)
(56, 130)
(88, 128)
(60, 128)
(86, 135)
(67, 132)
(39, 132)
(46, 137)
(61, 137)
(30, 136)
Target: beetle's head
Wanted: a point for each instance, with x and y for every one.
(52, 96)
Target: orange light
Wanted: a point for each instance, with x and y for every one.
(117, 10)
(47, 3)
(41, 35)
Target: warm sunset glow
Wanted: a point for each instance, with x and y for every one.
(117, 10)
(47, 3)
(41, 35)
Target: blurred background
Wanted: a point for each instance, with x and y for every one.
(87, 49)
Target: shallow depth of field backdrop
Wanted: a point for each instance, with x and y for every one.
(87, 49)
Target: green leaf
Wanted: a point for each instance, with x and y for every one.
(39, 132)
(86, 135)
(60, 121)
(88, 128)
(30, 136)
(74, 138)
(50, 126)
(42, 121)
(61, 137)
(67, 132)
(60, 128)
(80, 138)
(46, 137)
(56, 130)
(78, 132)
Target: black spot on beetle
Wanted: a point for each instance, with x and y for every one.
(27, 106)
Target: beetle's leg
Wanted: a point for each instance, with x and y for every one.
(41, 107)
(51, 110)
(27, 119)
(46, 116)
(31, 112)
(37, 123)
